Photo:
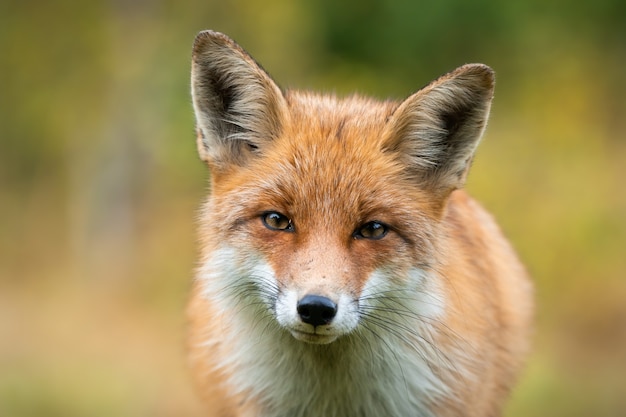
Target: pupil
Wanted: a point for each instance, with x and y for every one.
(276, 220)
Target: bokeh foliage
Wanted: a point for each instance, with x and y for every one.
(99, 181)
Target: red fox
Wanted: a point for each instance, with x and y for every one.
(344, 272)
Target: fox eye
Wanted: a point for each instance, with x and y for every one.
(276, 221)
(371, 230)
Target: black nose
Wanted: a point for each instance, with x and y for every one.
(316, 310)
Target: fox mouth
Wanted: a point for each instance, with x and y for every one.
(312, 337)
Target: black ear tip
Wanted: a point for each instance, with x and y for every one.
(484, 74)
(207, 38)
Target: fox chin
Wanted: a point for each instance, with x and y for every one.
(343, 269)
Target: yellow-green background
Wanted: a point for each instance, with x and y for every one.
(99, 181)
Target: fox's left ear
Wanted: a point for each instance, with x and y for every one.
(436, 130)
(238, 106)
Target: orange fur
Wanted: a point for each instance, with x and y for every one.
(433, 318)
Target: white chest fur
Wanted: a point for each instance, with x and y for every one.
(365, 374)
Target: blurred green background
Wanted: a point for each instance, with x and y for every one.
(100, 183)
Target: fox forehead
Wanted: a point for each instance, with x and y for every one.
(324, 133)
(327, 163)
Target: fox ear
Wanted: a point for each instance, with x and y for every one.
(238, 107)
(436, 130)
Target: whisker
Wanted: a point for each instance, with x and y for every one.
(393, 353)
(391, 310)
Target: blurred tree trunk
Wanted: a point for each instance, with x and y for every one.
(107, 166)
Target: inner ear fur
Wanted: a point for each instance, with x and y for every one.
(238, 107)
(435, 131)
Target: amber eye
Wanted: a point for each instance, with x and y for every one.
(371, 230)
(276, 221)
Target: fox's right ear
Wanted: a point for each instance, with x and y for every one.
(436, 130)
(238, 107)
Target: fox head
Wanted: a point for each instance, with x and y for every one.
(324, 211)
